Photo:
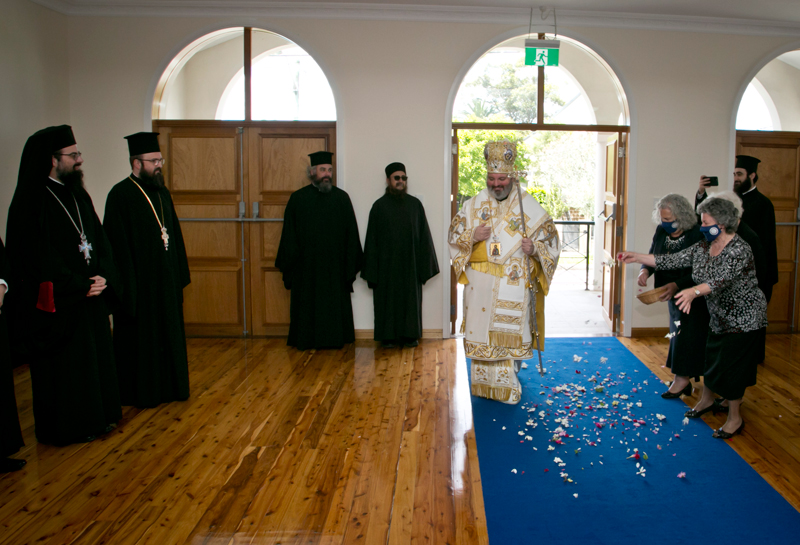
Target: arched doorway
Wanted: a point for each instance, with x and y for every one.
(571, 122)
(238, 111)
(768, 127)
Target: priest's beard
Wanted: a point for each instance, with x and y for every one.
(402, 191)
(72, 179)
(743, 187)
(156, 179)
(324, 184)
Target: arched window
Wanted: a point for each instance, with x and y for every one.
(207, 80)
(288, 85)
(757, 112)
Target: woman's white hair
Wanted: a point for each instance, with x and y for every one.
(735, 199)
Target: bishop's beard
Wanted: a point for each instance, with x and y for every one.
(157, 179)
(72, 180)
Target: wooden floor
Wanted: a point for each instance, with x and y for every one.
(362, 445)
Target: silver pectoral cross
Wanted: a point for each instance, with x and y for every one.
(165, 237)
(85, 248)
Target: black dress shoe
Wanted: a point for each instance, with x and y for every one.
(685, 392)
(722, 434)
(108, 429)
(388, 344)
(720, 407)
(7, 465)
(691, 413)
(86, 439)
(411, 343)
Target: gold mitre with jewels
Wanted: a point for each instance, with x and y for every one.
(500, 157)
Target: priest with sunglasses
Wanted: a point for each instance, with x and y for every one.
(399, 258)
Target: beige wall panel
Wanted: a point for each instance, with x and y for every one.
(284, 161)
(276, 298)
(203, 164)
(213, 296)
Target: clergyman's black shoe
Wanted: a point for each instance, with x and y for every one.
(7, 465)
(411, 343)
(388, 344)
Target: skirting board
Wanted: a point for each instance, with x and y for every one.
(649, 331)
(426, 334)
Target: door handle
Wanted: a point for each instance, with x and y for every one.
(255, 209)
(613, 211)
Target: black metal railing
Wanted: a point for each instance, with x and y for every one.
(572, 235)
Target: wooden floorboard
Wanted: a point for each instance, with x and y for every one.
(359, 445)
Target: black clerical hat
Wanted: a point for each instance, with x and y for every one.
(395, 167)
(52, 139)
(750, 164)
(142, 142)
(321, 158)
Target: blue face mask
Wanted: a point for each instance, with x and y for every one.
(669, 226)
(711, 232)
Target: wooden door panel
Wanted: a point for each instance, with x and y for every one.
(202, 166)
(276, 297)
(278, 159)
(779, 179)
(209, 239)
(212, 297)
(283, 161)
(609, 291)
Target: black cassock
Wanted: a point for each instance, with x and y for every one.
(319, 256)
(62, 333)
(398, 259)
(10, 433)
(149, 337)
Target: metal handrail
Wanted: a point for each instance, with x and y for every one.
(588, 232)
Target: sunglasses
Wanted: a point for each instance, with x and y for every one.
(397, 178)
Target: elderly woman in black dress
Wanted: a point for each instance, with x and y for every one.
(677, 230)
(724, 272)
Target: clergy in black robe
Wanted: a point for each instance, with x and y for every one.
(320, 255)
(398, 259)
(149, 337)
(758, 214)
(61, 266)
(10, 432)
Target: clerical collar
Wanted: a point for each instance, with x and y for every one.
(748, 191)
(56, 181)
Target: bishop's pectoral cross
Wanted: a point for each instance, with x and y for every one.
(85, 248)
(165, 237)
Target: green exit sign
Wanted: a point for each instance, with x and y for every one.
(542, 52)
(535, 56)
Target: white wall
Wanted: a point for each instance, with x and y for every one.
(35, 88)
(391, 81)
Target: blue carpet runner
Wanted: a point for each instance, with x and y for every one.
(594, 455)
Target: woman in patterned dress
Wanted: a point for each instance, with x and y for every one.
(677, 230)
(724, 271)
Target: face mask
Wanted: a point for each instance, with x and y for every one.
(669, 226)
(711, 232)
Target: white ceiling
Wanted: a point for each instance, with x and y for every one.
(776, 16)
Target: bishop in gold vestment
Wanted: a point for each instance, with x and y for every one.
(489, 252)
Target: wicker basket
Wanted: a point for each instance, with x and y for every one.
(650, 297)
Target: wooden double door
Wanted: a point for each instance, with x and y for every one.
(779, 179)
(230, 182)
